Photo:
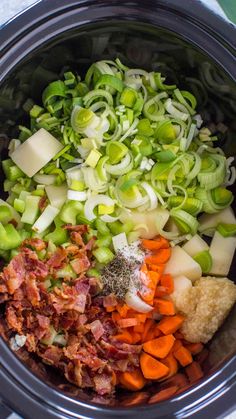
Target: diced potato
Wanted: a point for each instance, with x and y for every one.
(36, 152)
(147, 223)
(222, 252)
(208, 222)
(180, 263)
(195, 245)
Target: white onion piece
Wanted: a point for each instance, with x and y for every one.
(45, 219)
(92, 202)
(135, 302)
(76, 195)
(176, 113)
(44, 179)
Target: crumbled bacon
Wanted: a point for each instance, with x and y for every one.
(88, 353)
(97, 329)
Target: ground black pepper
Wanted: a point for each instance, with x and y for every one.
(119, 274)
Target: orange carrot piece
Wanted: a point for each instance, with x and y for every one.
(136, 338)
(144, 268)
(115, 316)
(125, 336)
(154, 277)
(183, 355)
(159, 347)
(156, 268)
(132, 380)
(160, 257)
(109, 309)
(141, 317)
(152, 334)
(161, 291)
(122, 309)
(147, 326)
(164, 394)
(194, 372)
(194, 348)
(114, 380)
(165, 307)
(172, 364)
(139, 328)
(129, 322)
(177, 345)
(169, 325)
(156, 244)
(178, 379)
(151, 368)
(167, 282)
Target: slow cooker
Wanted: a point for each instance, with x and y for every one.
(185, 41)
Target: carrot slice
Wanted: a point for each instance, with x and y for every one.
(194, 372)
(160, 257)
(172, 364)
(161, 291)
(178, 379)
(127, 322)
(165, 307)
(147, 326)
(167, 282)
(132, 380)
(136, 337)
(154, 277)
(194, 348)
(151, 368)
(169, 325)
(184, 356)
(125, 336)
(156, 244)
(122, 309)
(163, 394)
(156, 268)
(109, 309)
(139, 328)
(115, 316)
(159, 347)
(177, 345)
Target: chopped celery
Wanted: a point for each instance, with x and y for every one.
(9, 237)
(19, 205)
(102, 227)
(58, 236)
(69, 212)
(31, 209)
(5, 214)
(104, 241)
(93, 273)
(103, 254)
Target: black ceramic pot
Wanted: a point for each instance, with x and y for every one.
(186, 42)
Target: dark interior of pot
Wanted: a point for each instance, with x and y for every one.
(147, 48)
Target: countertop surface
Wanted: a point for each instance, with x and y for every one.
(8, 9)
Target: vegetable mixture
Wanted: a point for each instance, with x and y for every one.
(115, 191)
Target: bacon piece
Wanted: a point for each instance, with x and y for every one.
(90, 244)
(32, 292)
(35, 243)
(81, 228)
(14, 322)
(109, 300)
(14, 273)
(96, 329)
(52, 355)
(81, 264)
(43, 203)
(58, 258)
(103, 383)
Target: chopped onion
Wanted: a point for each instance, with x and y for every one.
(135, 302)
(119, 242)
